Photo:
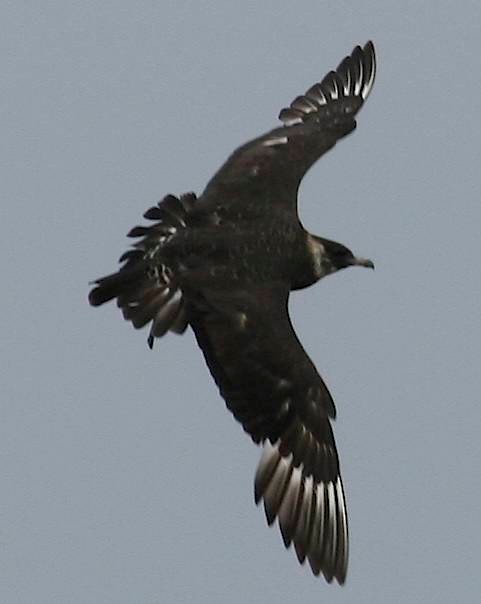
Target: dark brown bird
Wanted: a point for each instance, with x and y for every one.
(224, 264)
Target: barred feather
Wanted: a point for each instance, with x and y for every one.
(145, 286)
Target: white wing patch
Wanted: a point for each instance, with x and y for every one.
(277, 140)
(311, 514)
(354, 76)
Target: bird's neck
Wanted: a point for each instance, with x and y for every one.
(320, 261)
(312, 265)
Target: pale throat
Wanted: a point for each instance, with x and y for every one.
(320, 261)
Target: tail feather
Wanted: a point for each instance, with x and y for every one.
(179, 324)
(166, 314)
(145, 286)
(108, 288)
(145, 309)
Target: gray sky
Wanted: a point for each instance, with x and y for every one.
(124, 479)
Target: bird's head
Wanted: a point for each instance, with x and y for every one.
(330, 256)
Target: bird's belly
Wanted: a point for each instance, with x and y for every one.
(230, 259)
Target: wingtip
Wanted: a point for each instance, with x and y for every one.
(312, 515)
(354, 77)
(370, 57)
(369, 48)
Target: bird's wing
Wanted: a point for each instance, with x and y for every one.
(269, 169)
(272, 388)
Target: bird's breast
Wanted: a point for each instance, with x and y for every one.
(224, 257)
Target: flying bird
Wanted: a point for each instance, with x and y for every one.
(224, 263)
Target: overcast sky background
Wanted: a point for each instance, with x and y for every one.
(124, 479)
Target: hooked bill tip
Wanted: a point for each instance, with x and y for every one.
(363, 262)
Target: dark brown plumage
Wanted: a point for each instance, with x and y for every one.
(224, 264)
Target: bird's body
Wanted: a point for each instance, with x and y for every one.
(225, 263)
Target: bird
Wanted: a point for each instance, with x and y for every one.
(224, 264)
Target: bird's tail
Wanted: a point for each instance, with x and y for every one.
(146, 287)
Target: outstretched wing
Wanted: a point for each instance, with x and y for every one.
(269, 169)
(272, 388)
